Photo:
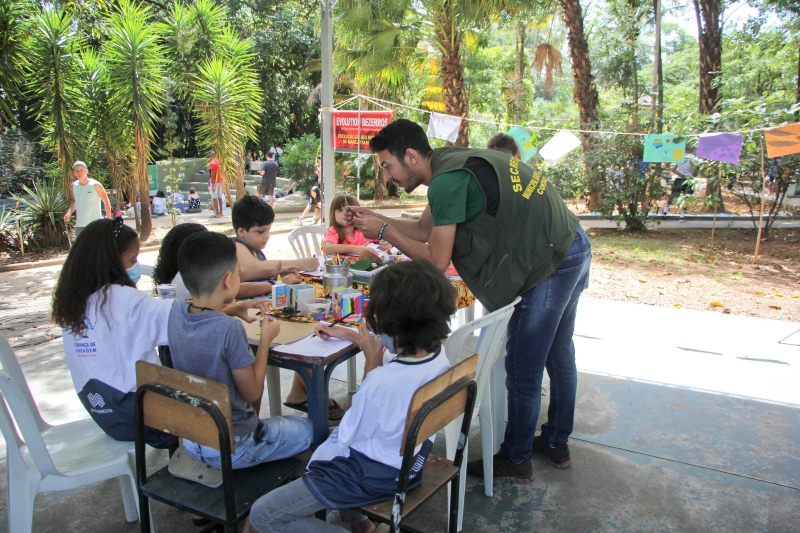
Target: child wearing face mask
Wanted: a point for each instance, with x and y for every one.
(409, 309)
(109, 325)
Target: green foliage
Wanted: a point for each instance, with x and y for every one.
(568, 176)
(13, 61)
(299, 159)
(614, 169)
(8, 230)
(54, 86)
(42, 219)
(226, 100)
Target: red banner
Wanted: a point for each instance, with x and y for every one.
(347, 128)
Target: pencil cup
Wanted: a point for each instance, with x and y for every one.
(347, 302)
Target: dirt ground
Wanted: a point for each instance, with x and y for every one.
(672, 268)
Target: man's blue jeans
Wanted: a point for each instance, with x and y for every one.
(539, 337)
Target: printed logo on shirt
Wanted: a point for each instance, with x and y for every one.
(87, 348)
(96, 400)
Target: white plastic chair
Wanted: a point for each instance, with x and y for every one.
(49, 458)
(306, 241)
(490, 404)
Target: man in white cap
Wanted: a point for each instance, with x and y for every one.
(86, 196)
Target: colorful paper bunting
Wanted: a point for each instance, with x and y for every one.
(444, 127)
(560, 145)
(784, 140)
(664, 148)
(525, 141)
(725, 147)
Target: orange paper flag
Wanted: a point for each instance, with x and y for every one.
(784, 140)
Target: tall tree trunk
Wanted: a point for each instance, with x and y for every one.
(452, 72)
(143, 182)
(634, 69)
(797, 98)
(585, 91)
(656, 112)
(710, 53)
(520, 68)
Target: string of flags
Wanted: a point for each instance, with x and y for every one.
(658, 148)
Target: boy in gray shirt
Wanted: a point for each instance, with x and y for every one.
(205, 342)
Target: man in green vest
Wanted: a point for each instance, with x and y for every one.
(508, 233)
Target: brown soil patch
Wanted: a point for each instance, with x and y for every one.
(672, 268)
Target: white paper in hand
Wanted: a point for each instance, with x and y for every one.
(560, 145)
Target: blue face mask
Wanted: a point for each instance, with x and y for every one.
(134, 272)
(388, 342)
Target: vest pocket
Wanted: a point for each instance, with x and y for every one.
(470, 252)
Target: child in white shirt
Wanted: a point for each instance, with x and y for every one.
(109, 325)
(410, 306)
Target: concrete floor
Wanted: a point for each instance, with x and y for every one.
(686, 422)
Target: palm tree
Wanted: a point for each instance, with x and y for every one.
(54, 86)
(227, 101)
(441, 25)
(134, 59)
(106, 124)
(13, 37)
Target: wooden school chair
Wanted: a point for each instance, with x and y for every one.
(433, 406)
(197, 409)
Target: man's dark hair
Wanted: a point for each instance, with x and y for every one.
(400, 135)
(412, 302)
(251, 211)
(505, 142)
(203, 259)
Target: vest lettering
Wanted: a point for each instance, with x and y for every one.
(532, 185)
(517, 187)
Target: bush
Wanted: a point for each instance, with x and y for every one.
(614, 169)
(568, 176)
(299, 159)
(8, 230)
(42, 219)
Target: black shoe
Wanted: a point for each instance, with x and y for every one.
(504, 469)
(559, 456)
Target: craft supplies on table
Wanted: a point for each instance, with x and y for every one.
(300, 292)
(316, 308)
(347, 302)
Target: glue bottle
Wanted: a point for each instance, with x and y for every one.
(279, 294)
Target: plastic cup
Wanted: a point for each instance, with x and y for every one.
(318, 308)
(167, 291)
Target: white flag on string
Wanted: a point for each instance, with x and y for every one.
(444, 127)
(560, 145)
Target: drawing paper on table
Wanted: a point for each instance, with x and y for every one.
(313, 347)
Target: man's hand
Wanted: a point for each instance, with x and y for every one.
(385, 246)
(369, 225)
(354, 211)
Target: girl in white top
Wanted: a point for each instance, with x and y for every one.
(410, 307)
(109, 325)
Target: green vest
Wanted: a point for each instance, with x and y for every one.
(500, 257)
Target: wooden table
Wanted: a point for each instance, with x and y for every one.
(314, 371)
(317, 380)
